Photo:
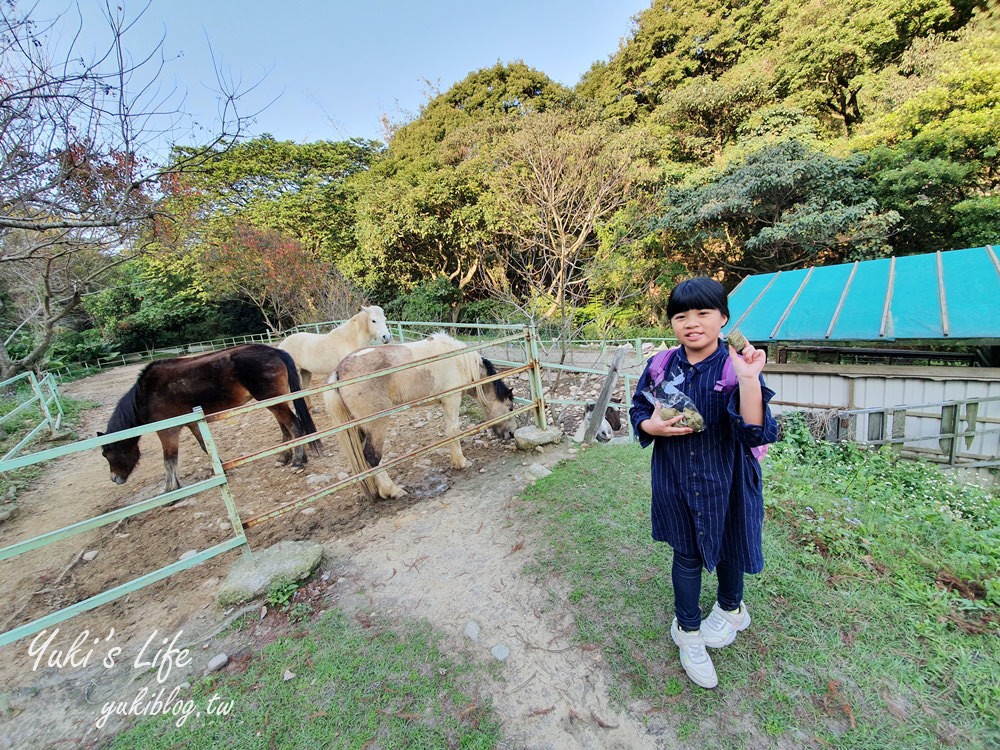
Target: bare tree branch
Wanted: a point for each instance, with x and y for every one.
(85, 144)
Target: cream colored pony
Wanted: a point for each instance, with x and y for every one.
(322, 352)
(363, 445)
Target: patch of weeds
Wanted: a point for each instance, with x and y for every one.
(300, 611)
(280, 593)
(672, 686)
(686, 729)
(241, 623)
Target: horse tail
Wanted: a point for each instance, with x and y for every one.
(305, 420)
(350, 439)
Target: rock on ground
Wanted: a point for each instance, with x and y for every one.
(248, 579)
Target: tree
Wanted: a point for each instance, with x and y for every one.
(933, 143)
(302, 190)
(827, 52)
(558, 177)
(78, 172)
(285, 194)
(674, 41)
(277, 274)
(420, 213)
(783, 207)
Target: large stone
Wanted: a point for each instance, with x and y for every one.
(285, 561)
(530, 437)
(538, 471)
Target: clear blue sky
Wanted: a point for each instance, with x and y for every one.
(332, 68)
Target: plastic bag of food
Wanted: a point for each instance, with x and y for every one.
(671, 401)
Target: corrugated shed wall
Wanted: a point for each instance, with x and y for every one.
(925, 390)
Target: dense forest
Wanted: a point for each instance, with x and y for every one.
(723, 137)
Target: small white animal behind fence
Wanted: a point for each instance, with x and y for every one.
(610, 424)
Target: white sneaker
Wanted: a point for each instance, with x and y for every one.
(694, 657)
(720, 627)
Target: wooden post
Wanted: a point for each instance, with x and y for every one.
(605, 396)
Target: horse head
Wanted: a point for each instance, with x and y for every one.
(609, 424)
(498, 400)
(375, 320)
(122, 458)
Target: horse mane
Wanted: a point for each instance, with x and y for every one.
(126, 413)
(440, 337)
(501, 389)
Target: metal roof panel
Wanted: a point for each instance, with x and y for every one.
(953, 294)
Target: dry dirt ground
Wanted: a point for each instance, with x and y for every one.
(452, 552)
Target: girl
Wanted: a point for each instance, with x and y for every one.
(707, 501)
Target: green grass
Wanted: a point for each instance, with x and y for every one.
(354, 687)
(15, 428)
(855, 641)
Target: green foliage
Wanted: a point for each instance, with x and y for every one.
(280, 593)
(431, 300)
(84, 347)
(924, 192)
(978, 221)
(489, 94)
(783, 207)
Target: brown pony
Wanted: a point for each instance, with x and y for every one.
(215, 381)
(363, 445)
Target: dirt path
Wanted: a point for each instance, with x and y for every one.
(451, 553)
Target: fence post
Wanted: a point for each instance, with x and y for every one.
(949, 426)
(536, 379)
(43, 405)
(597, 416)
(227, 496)
(49, 381)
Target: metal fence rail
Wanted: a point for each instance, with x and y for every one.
(44, 393)
(906, 427)
(218, 479)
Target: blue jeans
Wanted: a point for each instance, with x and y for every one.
(686, 575)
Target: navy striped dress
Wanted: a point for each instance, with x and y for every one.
(706, 487)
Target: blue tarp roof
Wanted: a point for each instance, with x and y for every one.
(953, 295)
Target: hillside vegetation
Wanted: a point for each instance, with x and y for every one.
(723, 137)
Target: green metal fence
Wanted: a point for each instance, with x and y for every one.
(219, 480)
(45, 394)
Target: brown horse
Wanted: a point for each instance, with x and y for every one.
(363, 445)
(215, 381)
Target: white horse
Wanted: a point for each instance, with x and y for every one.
(363, 445)
(322, 352)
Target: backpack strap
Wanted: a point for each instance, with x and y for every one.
(660, 363)
(729, 380)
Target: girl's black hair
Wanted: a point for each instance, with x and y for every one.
(699, 293)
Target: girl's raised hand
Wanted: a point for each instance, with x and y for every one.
(750, 364)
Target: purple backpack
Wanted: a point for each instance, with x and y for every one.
(660, 363)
